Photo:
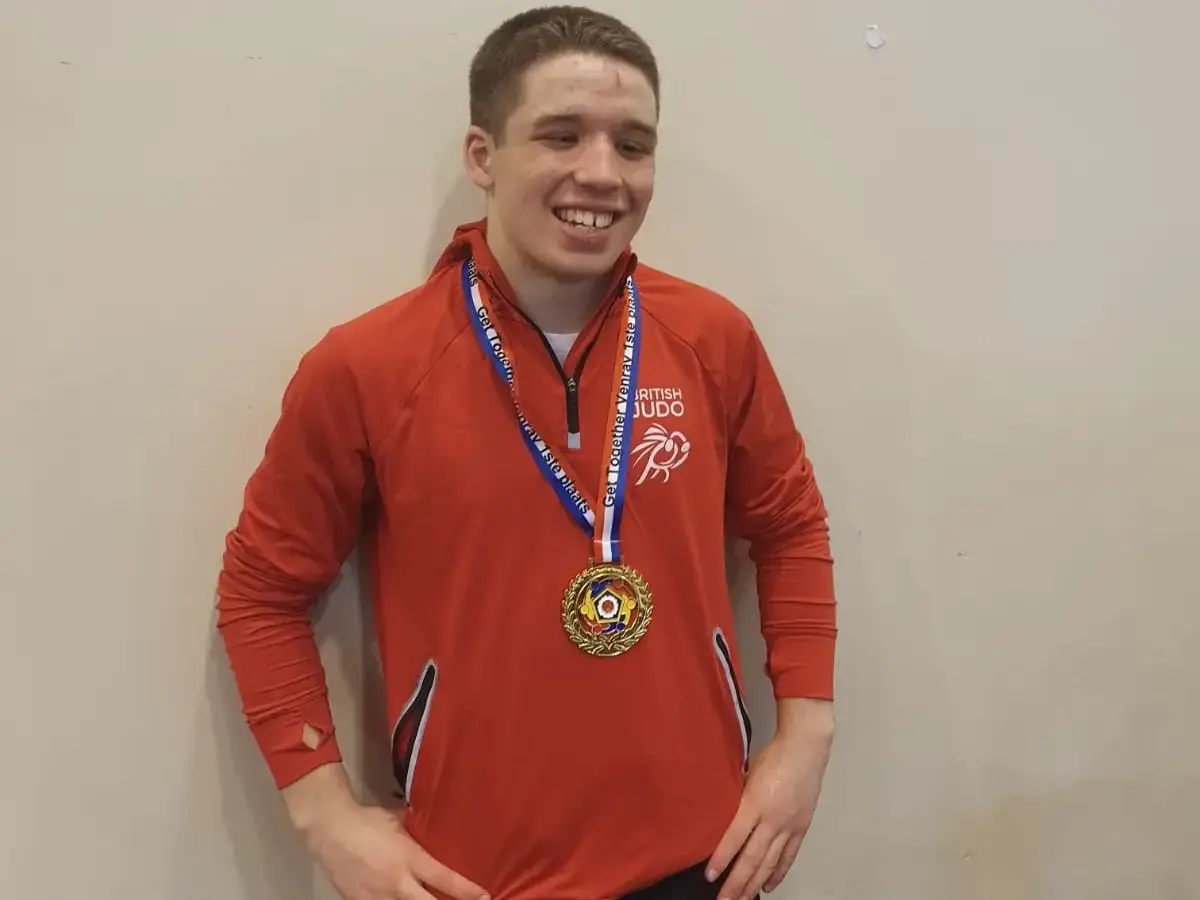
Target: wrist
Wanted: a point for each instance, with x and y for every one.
(803, 718)
(322, 794)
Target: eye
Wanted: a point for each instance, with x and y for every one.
(634, 149)
(559, 139)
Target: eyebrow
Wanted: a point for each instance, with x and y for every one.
(574, 119)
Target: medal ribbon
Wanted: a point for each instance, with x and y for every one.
(605, 530)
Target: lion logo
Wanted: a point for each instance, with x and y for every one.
(660, 452)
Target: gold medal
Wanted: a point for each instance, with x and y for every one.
(607, 609)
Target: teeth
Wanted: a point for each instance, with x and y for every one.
(585, 218)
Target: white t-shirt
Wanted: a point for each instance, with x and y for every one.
(561, 344)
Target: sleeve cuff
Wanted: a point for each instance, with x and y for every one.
(294, 746)
(799, 619)
(801, 666)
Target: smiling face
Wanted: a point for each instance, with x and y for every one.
(571, 177)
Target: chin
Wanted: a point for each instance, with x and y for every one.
(577, 253)
(576, 267)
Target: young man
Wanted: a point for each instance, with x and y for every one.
(544, 448)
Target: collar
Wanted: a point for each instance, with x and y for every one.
(470, 240)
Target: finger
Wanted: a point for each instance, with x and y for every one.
(767, 868)
(410, 889)
(790, 849)
(732, 841)
(748, 862)
(445, 880)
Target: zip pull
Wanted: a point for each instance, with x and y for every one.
(573, 438)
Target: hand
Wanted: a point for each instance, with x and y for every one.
(777, 806)
(367, 855)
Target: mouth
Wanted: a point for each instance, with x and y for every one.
(586, 220)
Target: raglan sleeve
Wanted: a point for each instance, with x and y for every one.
(774, 503)
(298, 524)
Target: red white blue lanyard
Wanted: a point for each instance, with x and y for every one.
(605, 531)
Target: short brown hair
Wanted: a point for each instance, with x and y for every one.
(537, 35)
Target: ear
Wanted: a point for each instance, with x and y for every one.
(478, 152)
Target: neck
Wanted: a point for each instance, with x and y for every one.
(555, 305)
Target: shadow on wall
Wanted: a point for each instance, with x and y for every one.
(268, 855)
(269, 858)
(463, 203)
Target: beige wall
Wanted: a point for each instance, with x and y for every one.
(973, 253)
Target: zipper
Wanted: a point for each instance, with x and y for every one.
(573, 437)
(570, 382)
(741, 714)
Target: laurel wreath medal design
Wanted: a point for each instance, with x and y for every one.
(607, 609)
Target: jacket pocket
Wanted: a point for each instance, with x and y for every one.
(409, 731)
(740, 714)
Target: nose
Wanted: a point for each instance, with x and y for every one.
(597, 166)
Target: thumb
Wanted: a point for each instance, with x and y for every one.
(433, 874)
(732, 841)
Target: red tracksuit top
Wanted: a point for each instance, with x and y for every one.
(532, 768)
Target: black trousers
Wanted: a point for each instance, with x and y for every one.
(690, 884)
